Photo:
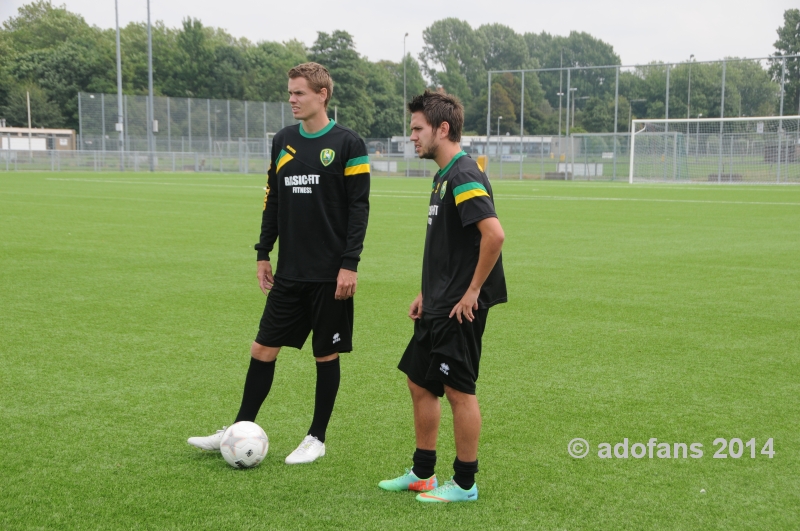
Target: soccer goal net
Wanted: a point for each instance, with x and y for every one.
(721, 150)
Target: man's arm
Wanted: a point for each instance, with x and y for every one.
(269, 227)
(492, 237)
(415, 310)
(356, 179)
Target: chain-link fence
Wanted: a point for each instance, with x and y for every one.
(182, 125)
(606, 99)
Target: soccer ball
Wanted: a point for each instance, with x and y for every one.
(244, 445)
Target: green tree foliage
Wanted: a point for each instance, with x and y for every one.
(452, 57)
(337, 52)
(57, 54)
(598, 115)
(388, 117)
(578, 49)
(788, 43)
(268, 62)
(44, 113)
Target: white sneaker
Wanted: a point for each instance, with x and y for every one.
(309, 450)
(210, 443)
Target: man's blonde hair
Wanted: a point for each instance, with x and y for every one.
(317, 76)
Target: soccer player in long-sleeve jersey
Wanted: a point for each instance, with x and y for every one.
(316, 207)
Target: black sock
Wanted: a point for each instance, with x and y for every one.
(465, 473)
(256, 388)
(328, 376)
(424, 463)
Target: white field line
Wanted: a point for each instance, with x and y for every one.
(416, 195)
(151, 182)
(639, 199)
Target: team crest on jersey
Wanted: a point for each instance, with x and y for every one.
(326, 156)
(441, 192)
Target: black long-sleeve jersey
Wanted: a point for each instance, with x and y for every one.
(317, 202)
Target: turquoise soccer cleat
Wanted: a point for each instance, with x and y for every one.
(409, 481)
(449, 492)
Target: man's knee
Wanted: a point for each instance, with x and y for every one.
(262, 353)
(418, 392)
(457, 398)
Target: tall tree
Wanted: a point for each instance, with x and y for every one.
(267, 65)
(453, 57)
(44, 113)
(337, 52)
(388, 118)
(788, 43)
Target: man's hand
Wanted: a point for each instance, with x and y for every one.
(467, 304)
(264, 275)
(415, 310)
(346, 284)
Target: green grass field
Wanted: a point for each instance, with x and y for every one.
(129, 302)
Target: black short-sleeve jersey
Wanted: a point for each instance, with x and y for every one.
(460, 197)
(317, 202)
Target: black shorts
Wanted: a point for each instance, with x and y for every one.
(444, 352)
(294, 309)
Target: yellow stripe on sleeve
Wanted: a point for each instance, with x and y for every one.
(355, 170)
(469, 194)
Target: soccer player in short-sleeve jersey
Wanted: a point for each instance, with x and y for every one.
(462, 277)
(316, 205)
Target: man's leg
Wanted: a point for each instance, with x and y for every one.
(258, 381)
(467, 427)
(427, 415)
(313, 445)
(257, 384)
(328, 377)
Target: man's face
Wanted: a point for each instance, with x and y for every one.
(425, 140)
(305, 102)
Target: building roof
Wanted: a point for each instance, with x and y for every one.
(35, 131)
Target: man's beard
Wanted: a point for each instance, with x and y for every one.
(429, 151)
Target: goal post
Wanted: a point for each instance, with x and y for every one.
(763, 149)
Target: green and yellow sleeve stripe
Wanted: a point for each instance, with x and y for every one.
(356, 166)
(468, 191)
(283, 158)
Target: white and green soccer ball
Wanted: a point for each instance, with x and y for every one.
(244, 445)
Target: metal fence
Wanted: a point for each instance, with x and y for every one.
(132, 161)
(181, 125)
(605, 99)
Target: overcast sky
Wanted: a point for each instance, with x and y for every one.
(639, 30)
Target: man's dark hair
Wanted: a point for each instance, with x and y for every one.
(440, 107)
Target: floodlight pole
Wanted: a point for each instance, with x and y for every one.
(405, 100)
(689, 98)
(120, 118)
(499, 147)
(488, 119)
(573, 89)
(689, 91)
(150, 118)
(560, 93)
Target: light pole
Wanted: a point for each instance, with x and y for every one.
(120, 118)
(573, 89)
(560, 93)
(404, 98)
(499, 146)
(689, 91)
(150, 118)
(559, 113)
(697, 138)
